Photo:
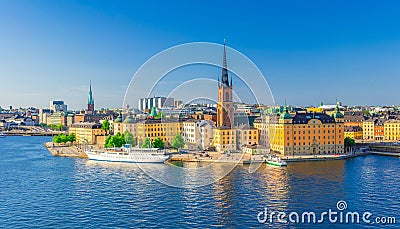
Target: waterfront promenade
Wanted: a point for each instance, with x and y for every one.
(65, 151)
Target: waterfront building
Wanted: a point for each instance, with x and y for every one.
(392, 130)
(154, 128)
(130, 125)
(197, 134)
(88, 133)
(58, 106)
(246, 136)
(206, 134)
(307, 133)
(224, 139)
(191, 134)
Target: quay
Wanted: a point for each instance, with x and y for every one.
(390, 154)
(65, 151)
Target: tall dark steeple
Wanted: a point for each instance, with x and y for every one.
(225, 103)
(225, 78)
(90, 99)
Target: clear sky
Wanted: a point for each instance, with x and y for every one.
(309, 51)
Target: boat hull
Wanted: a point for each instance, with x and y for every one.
(127, 157)
(274, 163)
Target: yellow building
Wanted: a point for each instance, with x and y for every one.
(354, 132)
(392, 130)
(307, 133)
(89, 133)
(314, 110)
(154, 128)
(224, 139)
(368, 130)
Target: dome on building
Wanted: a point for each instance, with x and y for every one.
(286, 114)
(129, 119)
(337, 113)
(118, 119)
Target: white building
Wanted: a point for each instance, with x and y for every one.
(198, 134)
(158, 102)
(58, 106)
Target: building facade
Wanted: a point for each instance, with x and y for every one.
(156, 128)
(392, 130)
(88, 133)
(308, 134)
(58, 106)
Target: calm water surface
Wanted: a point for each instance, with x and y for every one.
(43, 191)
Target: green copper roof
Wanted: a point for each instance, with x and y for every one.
(286, 114)
(118, 119)
(153, 112)
(337, 113)
(90, 99)
(129, 119)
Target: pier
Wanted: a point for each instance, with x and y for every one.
(65, 151)
(390, 154)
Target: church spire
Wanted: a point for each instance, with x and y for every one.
(225, 80)
(90, 99)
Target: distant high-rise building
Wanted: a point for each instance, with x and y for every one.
(158, 102)
(58, 106)
(90, 106)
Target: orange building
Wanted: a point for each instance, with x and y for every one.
(307, 133)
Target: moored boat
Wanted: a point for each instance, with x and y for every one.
(2, 135)
(276, 161)
(128, 155)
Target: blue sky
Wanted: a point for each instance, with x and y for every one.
(309, 51)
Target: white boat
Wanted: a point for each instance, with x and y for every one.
(2, 135)
(128, 155)
(276, 161)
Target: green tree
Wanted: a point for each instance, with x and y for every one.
(118, 140)
(56, 139)
(63, 138)
(160, 115)
(59, 127)
(367, 113)
(129, 139)
(147, 143)
(105, 125)
(107, 142)
(178, 142)
(349, 142)
(71, 137)
(158, 143)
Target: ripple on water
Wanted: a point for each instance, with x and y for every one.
(39, 190)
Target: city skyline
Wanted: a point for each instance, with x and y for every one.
(51, 50)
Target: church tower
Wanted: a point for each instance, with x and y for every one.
(225, 104)
(90, 106)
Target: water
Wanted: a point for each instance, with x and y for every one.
(40, 190)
